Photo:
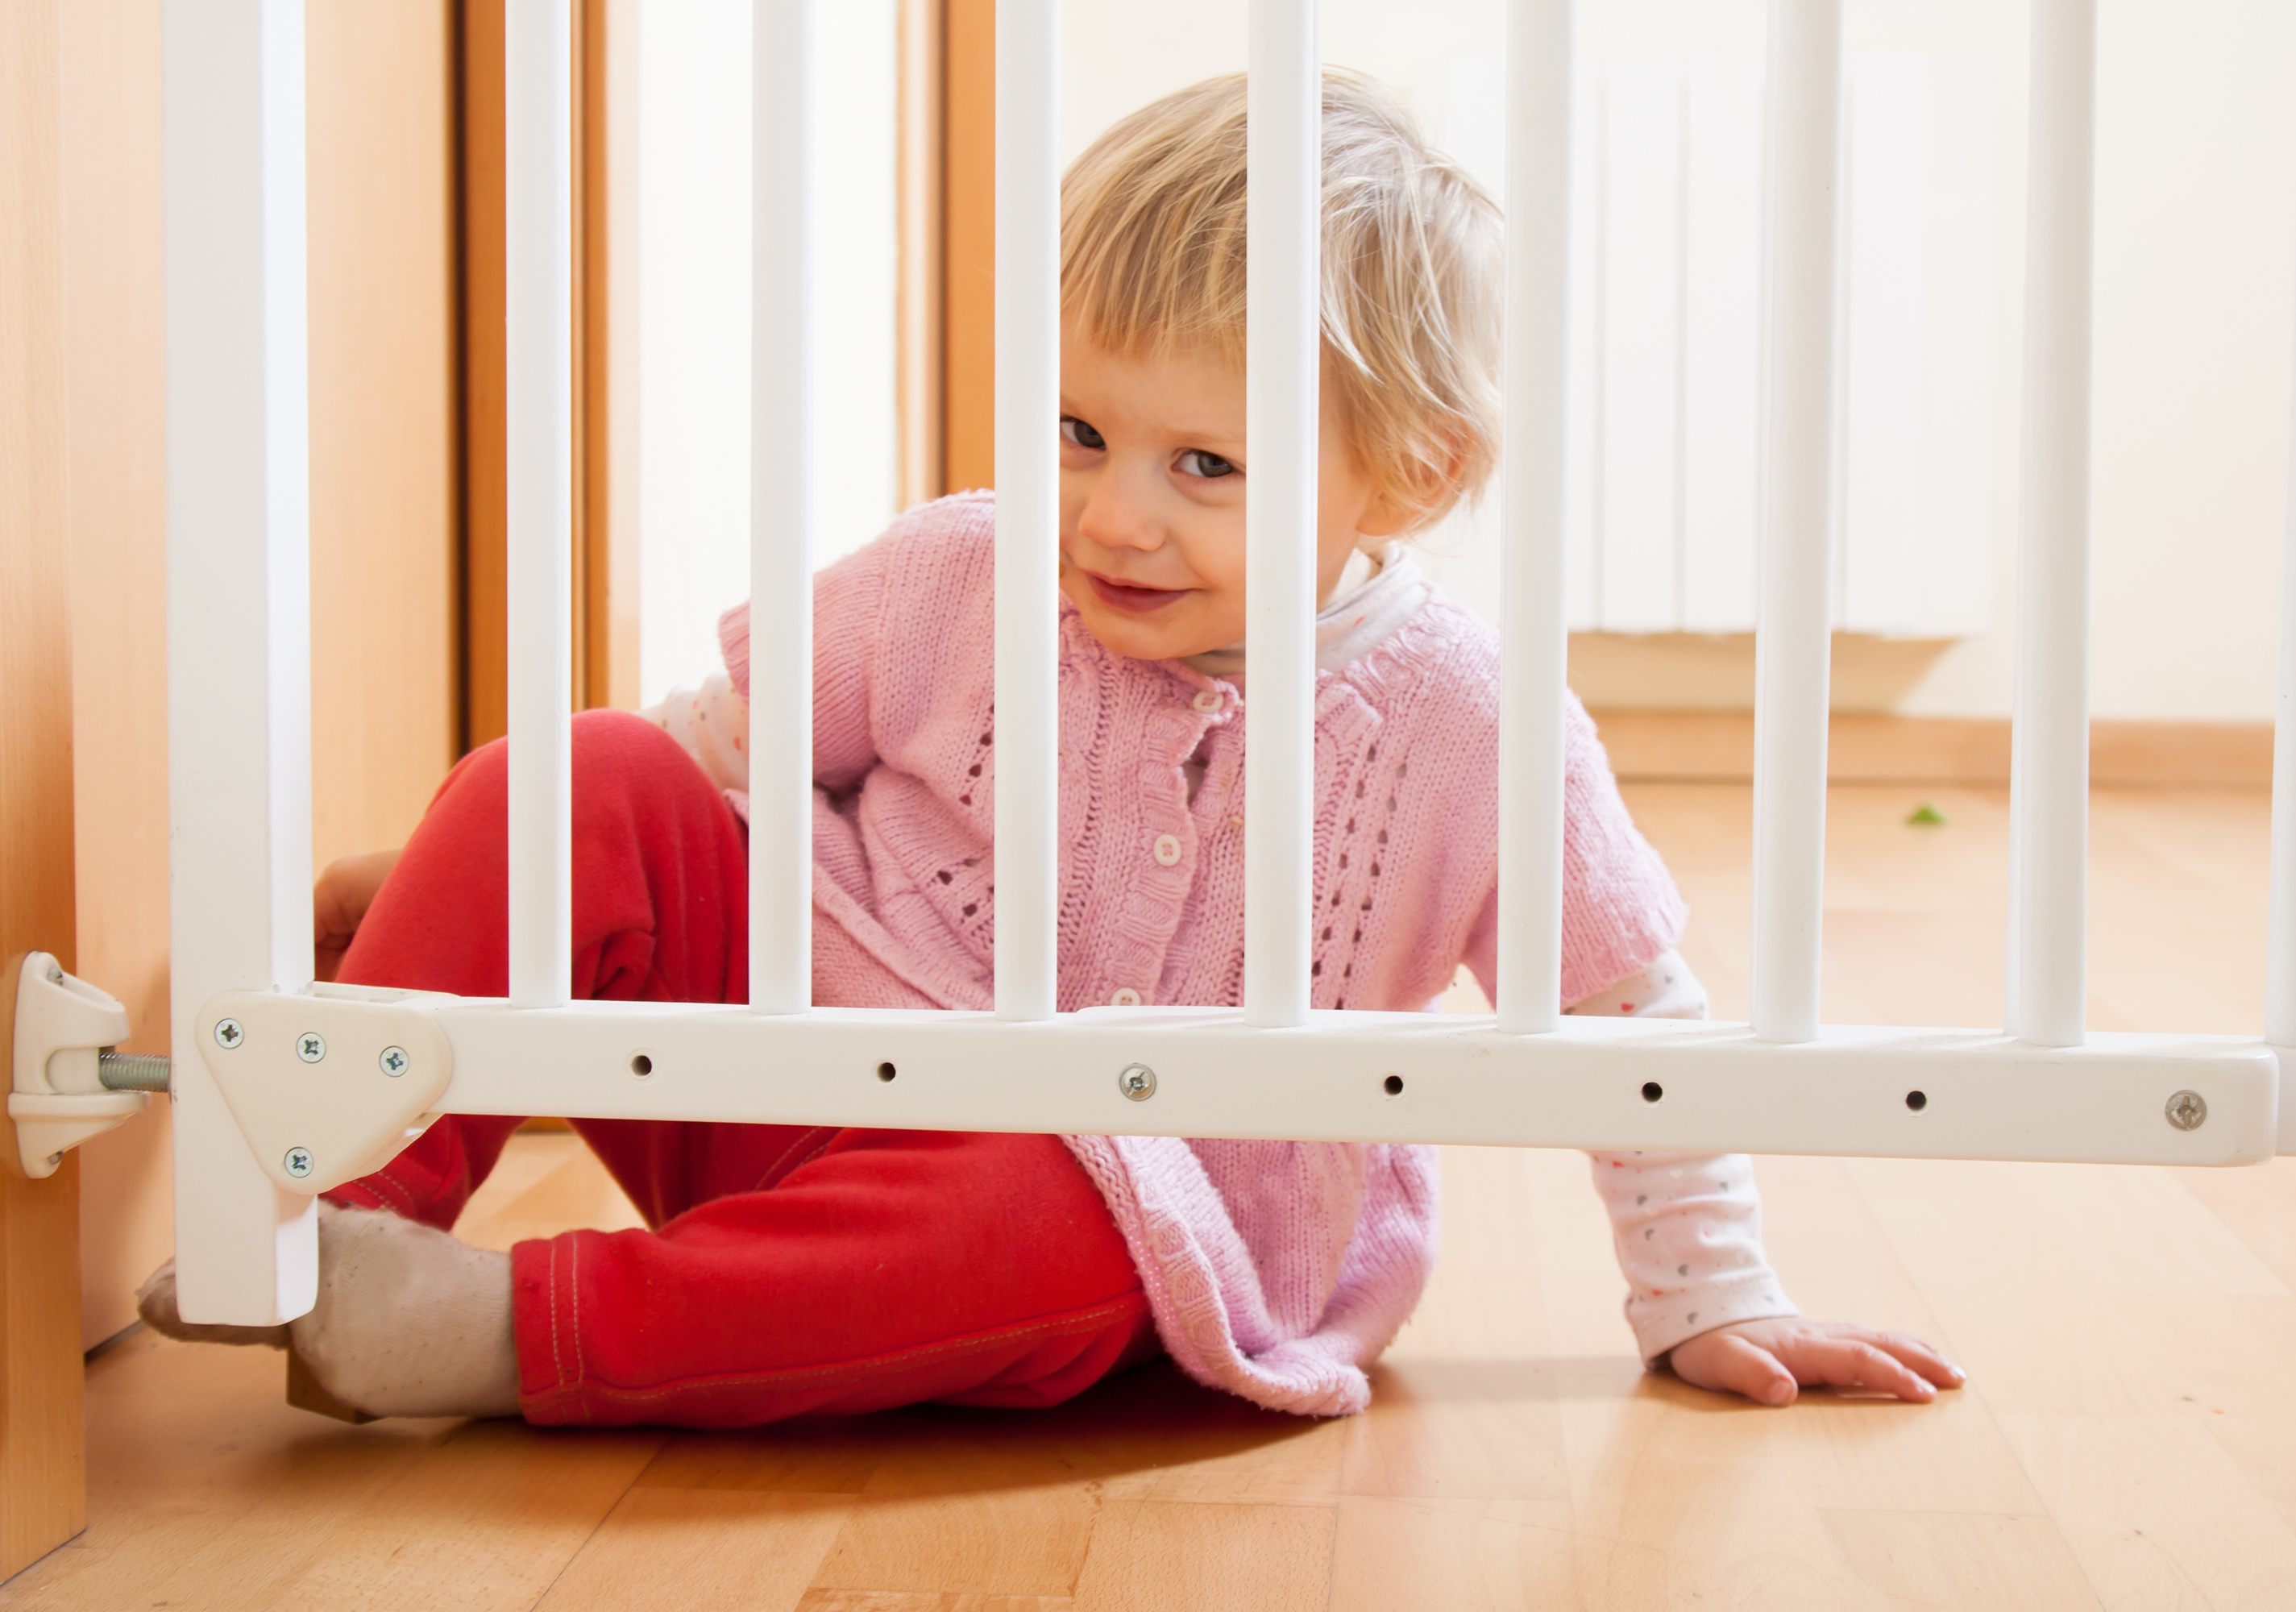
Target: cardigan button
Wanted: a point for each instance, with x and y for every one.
(1168, 850)
(1207, 700)
(1125, 997)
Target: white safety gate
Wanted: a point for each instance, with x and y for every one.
(282, 1087)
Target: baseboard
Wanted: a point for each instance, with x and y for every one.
(1718, 747)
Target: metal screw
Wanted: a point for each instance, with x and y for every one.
(394, 1061)
(299, 1161)
(2188, 1111)
(311, 1047)
(1138, 1083)
(228, 1034)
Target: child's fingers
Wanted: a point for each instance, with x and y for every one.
(1759, 1374)
(1734, 1365)
(1920, 1354)
(1850, 1362)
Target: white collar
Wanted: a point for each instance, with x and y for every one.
(1375, 594)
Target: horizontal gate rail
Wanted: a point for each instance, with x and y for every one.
(1412, 1077)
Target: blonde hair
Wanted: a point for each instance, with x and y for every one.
(1152, 262)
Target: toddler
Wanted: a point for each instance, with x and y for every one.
(788, 1270)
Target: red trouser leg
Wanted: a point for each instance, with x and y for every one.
(790, 1269)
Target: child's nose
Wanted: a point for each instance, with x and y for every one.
(1114, 517)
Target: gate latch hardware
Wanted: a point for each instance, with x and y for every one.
(64, 1068)
(329, 1085)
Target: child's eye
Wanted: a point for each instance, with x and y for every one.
(1076, 431)
(1196, 462)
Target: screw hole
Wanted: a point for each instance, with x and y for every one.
(1394, 1085)
(641, 1066)
(886, 1072)
(1652, 1091)
(1917, 1100)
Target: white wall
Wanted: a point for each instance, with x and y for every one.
(2195, 291)
(693, 320)
(2195, 298)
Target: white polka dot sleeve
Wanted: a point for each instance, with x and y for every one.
(712, 724)
(1687, 1226)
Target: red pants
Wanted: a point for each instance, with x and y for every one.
(786, 1268)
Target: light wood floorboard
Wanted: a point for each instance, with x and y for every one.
(2127, 1438)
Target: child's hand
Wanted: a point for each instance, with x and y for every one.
(344, 893)
(1768, 1362)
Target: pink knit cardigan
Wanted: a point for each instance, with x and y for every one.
(1278, 1270)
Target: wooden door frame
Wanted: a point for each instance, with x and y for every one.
(948, 247)
(43, 1436)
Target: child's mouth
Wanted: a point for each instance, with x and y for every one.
(1132, 600)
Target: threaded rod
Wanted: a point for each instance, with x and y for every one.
(131, 1071)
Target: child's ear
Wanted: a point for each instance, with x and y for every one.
(1432, 483)
(1389, 515)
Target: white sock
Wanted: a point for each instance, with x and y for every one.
(409, 1321)
(155, 1302)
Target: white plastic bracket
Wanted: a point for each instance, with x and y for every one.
(326, 1086)
(55, 1096)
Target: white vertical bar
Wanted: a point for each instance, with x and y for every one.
(1532, 476)
(2280, 946)
(539, 296)
(1792, 645)
(2048, 787)
(1282, 391)
(1027, 506)
(239, 635)
(781, 506)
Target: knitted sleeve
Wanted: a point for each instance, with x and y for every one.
(1621, 910)
(847, 598)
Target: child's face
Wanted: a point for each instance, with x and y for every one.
(1151, 500)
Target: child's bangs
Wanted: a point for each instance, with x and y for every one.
(1152, 231)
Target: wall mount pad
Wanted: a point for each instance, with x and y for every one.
(56, 1095)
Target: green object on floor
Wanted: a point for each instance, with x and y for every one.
(1926, 815)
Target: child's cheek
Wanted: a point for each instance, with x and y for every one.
(1219, 617)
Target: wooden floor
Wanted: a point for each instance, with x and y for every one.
(2128, 1439)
